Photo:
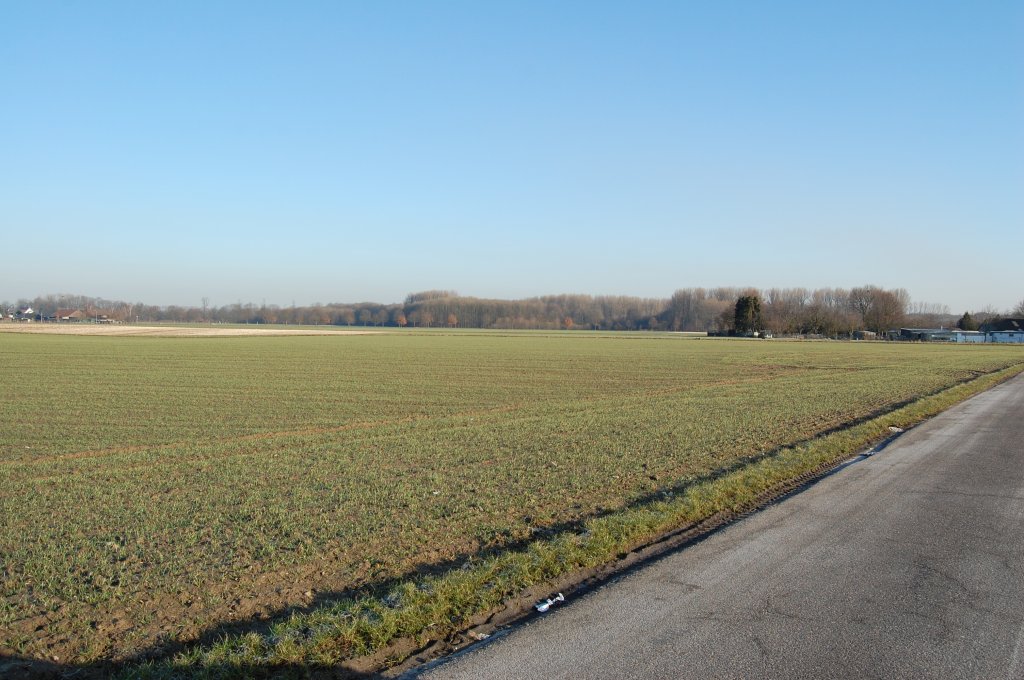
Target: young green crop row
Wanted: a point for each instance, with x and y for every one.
(172, 484)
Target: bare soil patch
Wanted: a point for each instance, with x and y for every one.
(169, 331)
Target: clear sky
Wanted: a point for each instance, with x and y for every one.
(358, 151)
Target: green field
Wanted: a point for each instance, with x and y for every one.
(152, 489)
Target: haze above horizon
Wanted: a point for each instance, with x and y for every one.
(326, 151)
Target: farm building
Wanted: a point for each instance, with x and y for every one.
(966, 336)
(1004, 330)
(1005, 336)
(926, 334)
(1000, 325)
(865, 335)
(69, 315)
(957, 335)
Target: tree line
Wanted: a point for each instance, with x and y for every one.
(826, 312)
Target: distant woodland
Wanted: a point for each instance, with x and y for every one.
(828, 312)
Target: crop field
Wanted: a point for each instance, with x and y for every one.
(156, 490)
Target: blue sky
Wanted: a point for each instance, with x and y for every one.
(344, 151)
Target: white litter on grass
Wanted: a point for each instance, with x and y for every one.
(897, 430)
(479, 636)
(546, 605)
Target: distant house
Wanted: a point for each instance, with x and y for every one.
(865, 335)
(69, 315)
(25, 314)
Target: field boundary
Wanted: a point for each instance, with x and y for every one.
(426, 617)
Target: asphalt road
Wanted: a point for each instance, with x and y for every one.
(906, 564)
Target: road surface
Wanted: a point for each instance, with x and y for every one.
(906, 564)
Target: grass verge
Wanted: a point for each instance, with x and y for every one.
(434, 607)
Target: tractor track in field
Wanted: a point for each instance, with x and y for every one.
(363, 425)
(254, 437)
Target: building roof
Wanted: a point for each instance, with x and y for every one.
(997, 325)
(68, 313)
